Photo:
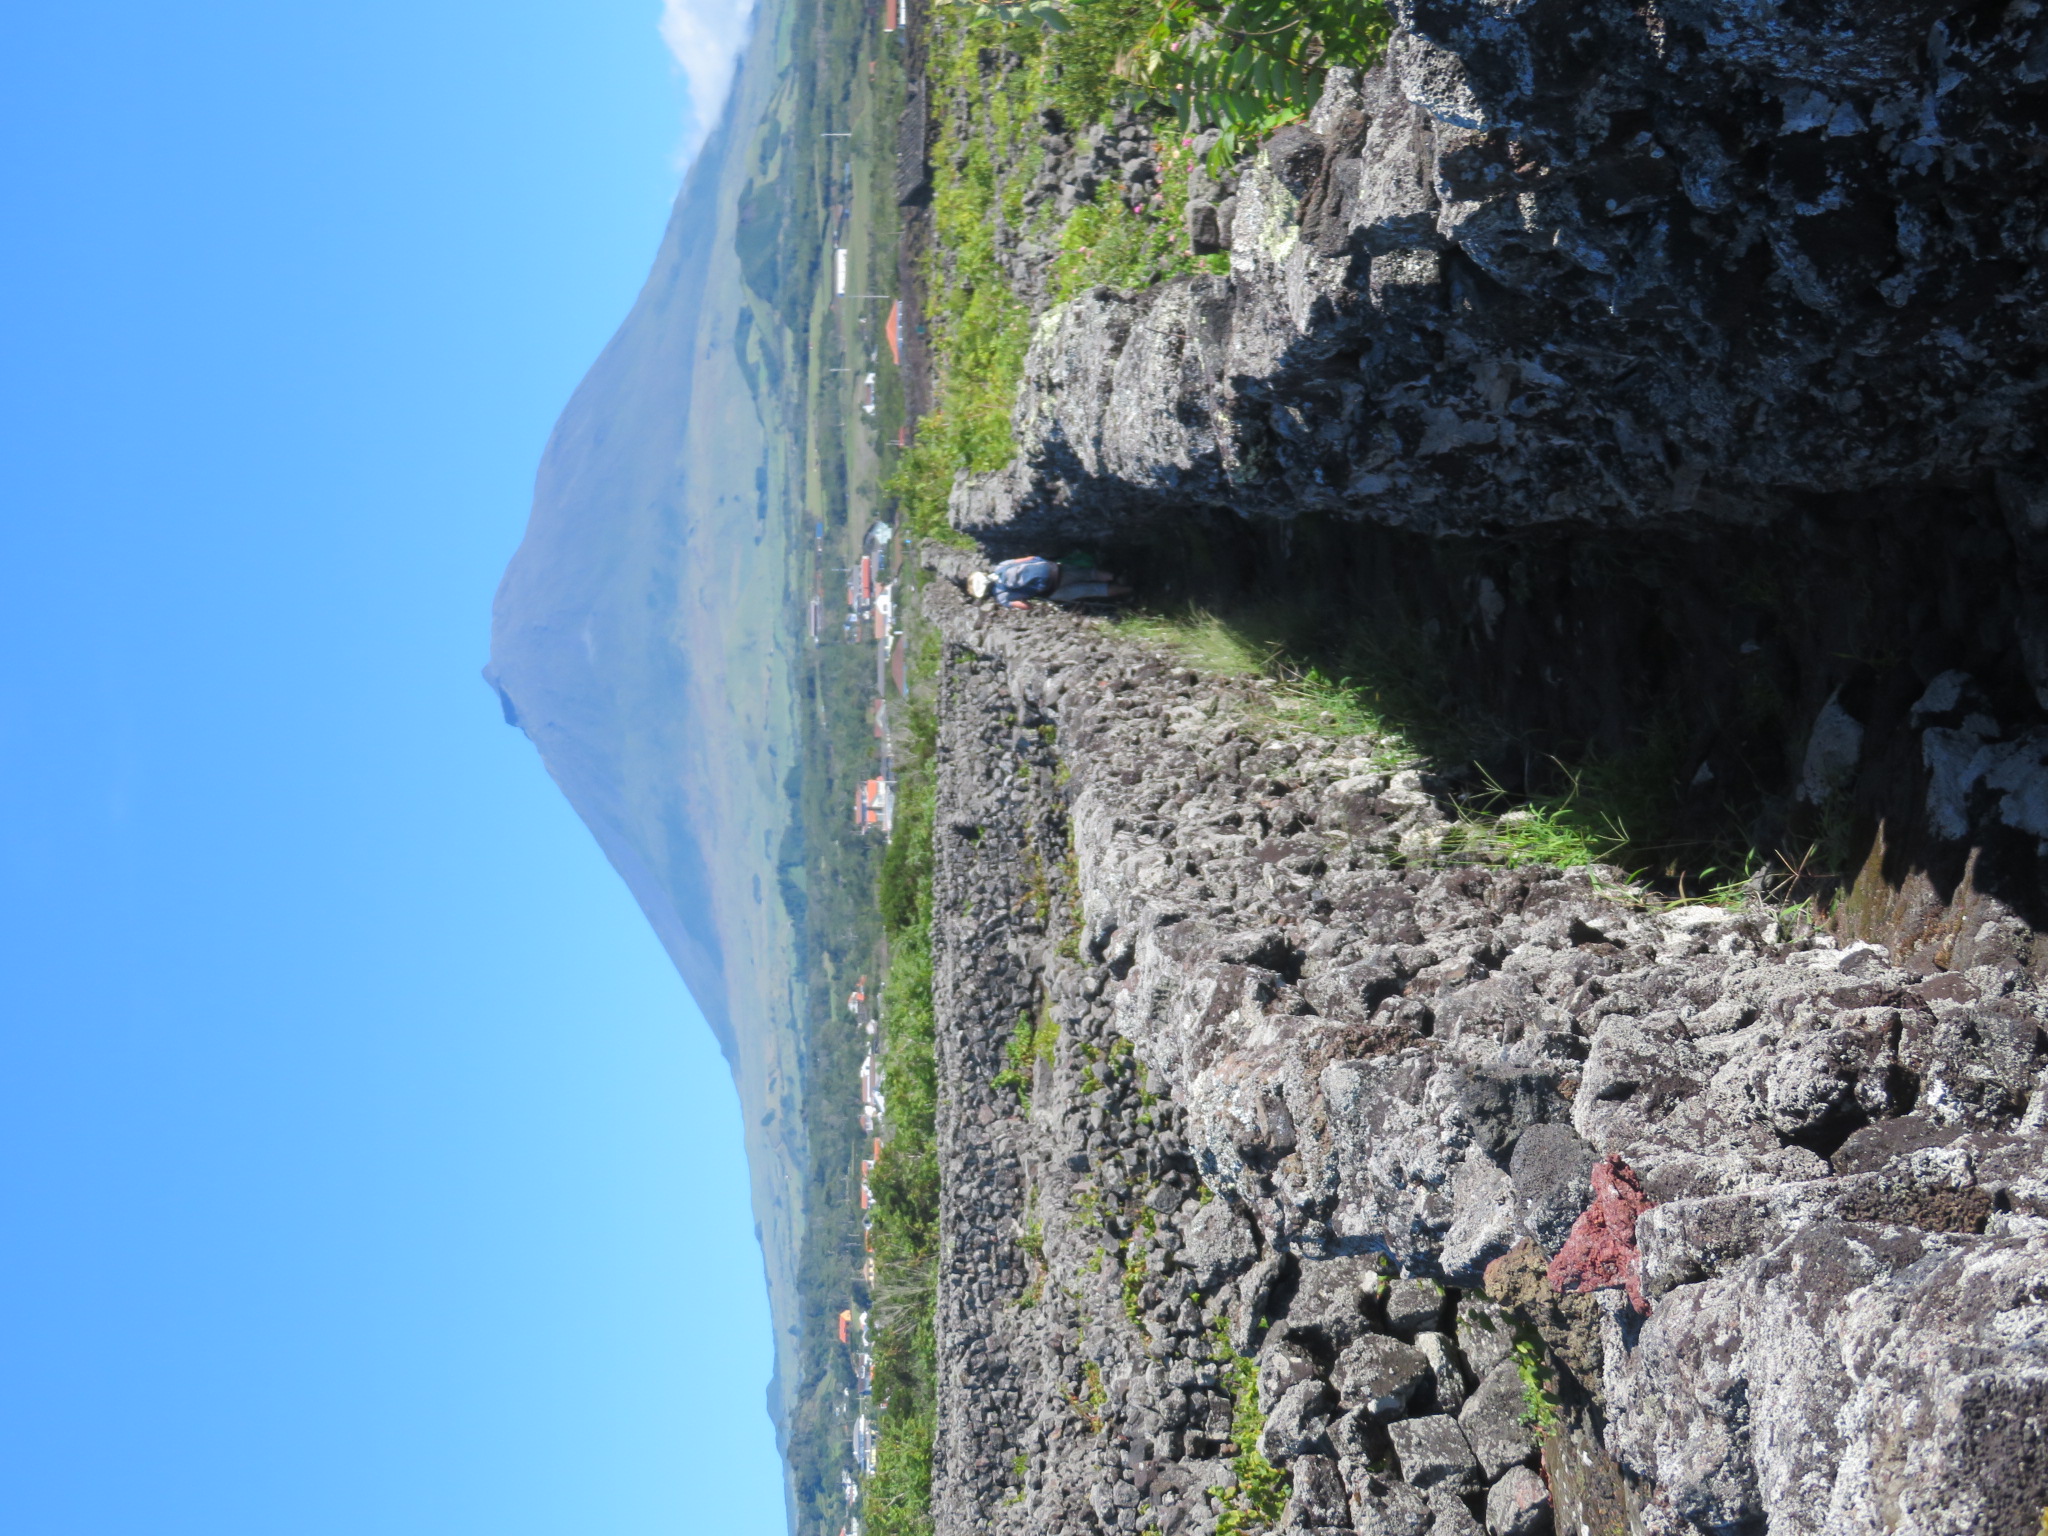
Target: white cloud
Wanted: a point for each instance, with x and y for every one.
(706, 37)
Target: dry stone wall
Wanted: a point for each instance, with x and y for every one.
(1584, 263)
(1299, 1139)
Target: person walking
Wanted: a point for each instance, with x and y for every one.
(1033, 578)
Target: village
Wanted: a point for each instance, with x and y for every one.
(853, 1321)
(853, 601)
(870, 619)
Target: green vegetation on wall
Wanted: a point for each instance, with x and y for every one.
(991, 86)
(1245, 66)
(1260, 1497)
(979, 328)
(1105, 243)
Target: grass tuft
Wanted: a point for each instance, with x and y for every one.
(1555, 830)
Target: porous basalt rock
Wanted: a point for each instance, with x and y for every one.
(1299, 1056)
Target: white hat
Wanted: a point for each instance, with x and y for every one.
(977, 585)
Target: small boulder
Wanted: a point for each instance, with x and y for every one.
(1328, 1308)
(1443, 1364)
(1601, 1250)
(1413, 1306)
(1486, 1335)
(1296, 156)
(1381, 1375)
(1383, 1507)
(1432, 1452)
(1319, 1497)
(1298, 1424)
(1518, 1505)
(1550, 1169)
(1360, 1441)
(1492, 1422)
(1208, 1475)
(1217, 1248)
(1282, 1367)
(1452, 1516)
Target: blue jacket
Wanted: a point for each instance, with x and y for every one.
(1029, 576)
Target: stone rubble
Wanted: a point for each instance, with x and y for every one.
(1326, 1103)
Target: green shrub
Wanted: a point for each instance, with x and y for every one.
(1249, 65)
(1079, 64)
(1245, 66)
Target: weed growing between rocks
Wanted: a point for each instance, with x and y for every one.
(1093, 1397)
(1540, 1401)
(1032, 1242)
(1033, 1041)
(1260, 1497)
(1109, 242)
(1554, 830)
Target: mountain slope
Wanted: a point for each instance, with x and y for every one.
(642, 638)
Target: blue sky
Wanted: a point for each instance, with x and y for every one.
(363, 1167)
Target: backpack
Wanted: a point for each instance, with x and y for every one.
(1027, 576)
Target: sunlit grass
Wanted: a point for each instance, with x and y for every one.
(1298, 696)
(1557, 831)
(1595, 821)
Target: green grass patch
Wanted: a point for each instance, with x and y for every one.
(1555, 830)
(1293, 693)
(1612, 810)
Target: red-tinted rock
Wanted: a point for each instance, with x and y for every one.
(1601, 1250)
